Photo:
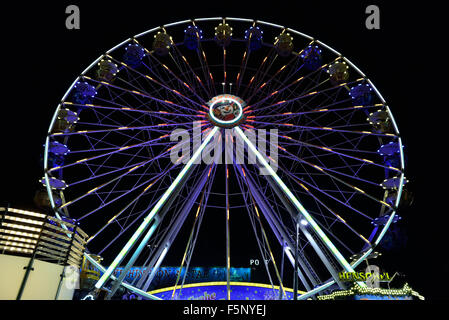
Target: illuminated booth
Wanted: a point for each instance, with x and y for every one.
(40, 256)
(358, 293)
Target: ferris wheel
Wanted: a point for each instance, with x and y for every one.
(226, 115)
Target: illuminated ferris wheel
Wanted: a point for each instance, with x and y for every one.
(311, 152)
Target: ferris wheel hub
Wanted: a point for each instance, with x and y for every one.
(226, 110)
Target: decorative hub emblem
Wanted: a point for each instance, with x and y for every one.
(226, 110)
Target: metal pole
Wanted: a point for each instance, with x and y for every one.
(280, 233)
(281, 293)
(65, 262)
(30, 264)
(228, 248)
(295, 277)
(321, 253)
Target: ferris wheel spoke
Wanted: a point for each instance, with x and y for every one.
(137, 93)
(326, 227)
(95, 143)
(307, 191)
(192, 237)
(242, 67)
(96, 108)
(275, 222)
(95, 175)
(126, 228)
(259, 75)
(314, 242)
(168, 89)
(149, 183)
(113, 169)
(294, 96)
(327, 170)
(252, 208)
(224, 65)
(256, 81)
(302, 95)
(303, 184)
(134, 167)
(156, 198)
(340, 219)
(268, 82)
(117, 129)
(124, 105)
(324, 109)
(192, 72)
(282, 87)
(356, 189)
(167, 239)
(330, 150)
(299, 127)
(116, 216)
(117, 149)
(161, 116)
(99, 187)
(206, 71)
(184, 84)
(342, 120)
(351, 143)
(244, 94)
(127, 110)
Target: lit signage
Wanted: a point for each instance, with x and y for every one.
(166, 276)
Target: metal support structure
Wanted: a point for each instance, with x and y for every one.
(203, 203)
(135, 237)
(124, 284)
(168, 240)
(321, 252)
(228, 241)
(134, 257)
(29, 267)
(158, 218)
(281, 293)
(65, 262)
(295, 274)
(297, 204)
(281, 234)
(262, 246)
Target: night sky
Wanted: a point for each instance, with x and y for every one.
(404, 59)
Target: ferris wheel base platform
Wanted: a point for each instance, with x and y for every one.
(218, 291)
